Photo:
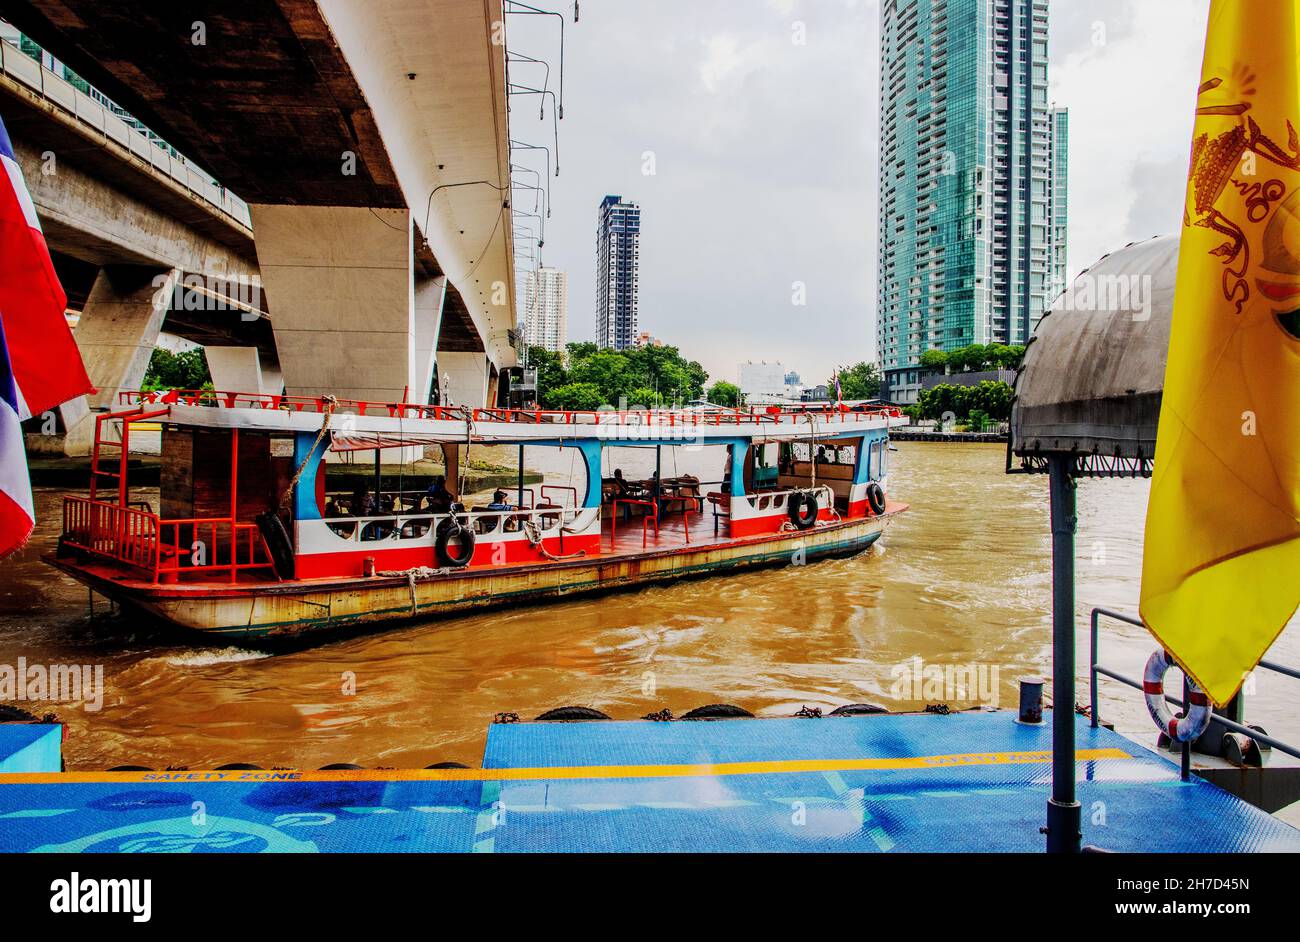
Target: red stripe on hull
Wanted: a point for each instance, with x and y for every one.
(756, 526)
(486, 553)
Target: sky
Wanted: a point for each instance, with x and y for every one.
(747, 130)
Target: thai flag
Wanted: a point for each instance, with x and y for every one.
(16, 516)
(40, 366)
(43, 358)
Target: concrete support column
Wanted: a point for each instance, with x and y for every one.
(235, 369)
(464, 378)
(272, 378)
(340, 283)
(429, 296)
(116, 335)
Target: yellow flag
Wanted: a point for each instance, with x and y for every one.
(1221, 569)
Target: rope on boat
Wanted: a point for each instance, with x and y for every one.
(330, 403)
(469, 440)
(812, 449)
(411, 575)
(534, 534)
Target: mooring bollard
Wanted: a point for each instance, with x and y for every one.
(1031, 701)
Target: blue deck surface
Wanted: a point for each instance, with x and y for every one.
(30, 747)
(964, 782)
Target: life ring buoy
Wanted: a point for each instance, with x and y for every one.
(876, 498)
(803, 509)
(449, 530)
(1194, 721)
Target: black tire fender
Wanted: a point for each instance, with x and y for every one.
(803, 509)
(449, 530)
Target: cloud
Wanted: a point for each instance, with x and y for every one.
(765, 154)
(1128, 72)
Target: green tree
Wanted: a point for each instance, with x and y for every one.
(993, 398)
(609, 371)
(988, 397)
(579, 397)
(642, 376)
(860, 381)
(167, 370)
(1006, 357)
(934, 361)
(967, 359)
(723, 393)
(644, 396)
(550, 371)
(580, 351)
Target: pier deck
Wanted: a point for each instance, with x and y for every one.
(916, 782)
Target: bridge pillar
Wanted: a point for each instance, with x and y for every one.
(116, 334)
(429, 296)
(467, 378)
(236, 369)
(340, 281)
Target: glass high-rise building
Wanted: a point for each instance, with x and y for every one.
(971, 239)
(618, 262)
(546, 307)
(1058, 206)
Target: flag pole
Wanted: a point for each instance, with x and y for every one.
(1064, 821)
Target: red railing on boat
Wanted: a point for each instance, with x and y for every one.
(826, 412)
(164, 550)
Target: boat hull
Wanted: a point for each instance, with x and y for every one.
(298, 610)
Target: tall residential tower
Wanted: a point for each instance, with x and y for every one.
(618, 260)
(545, 308)
(972, 234)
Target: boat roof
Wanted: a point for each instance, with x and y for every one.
(356, 425)
(1093, 372)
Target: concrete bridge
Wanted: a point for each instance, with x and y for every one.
(372, 146)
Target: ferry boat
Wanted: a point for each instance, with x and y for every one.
(250, 542)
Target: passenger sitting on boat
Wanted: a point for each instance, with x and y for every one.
(440, 499)
(499, 502)
(621, 485)
(363, 503)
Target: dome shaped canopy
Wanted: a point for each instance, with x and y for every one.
(1093, 372)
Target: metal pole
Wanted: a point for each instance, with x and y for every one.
(1094, 708)
(521, 475)
(1063, 812)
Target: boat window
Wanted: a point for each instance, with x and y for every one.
(828, 453)
(878, 457)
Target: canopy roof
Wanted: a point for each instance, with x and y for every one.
(1094, 369)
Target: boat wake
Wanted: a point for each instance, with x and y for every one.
(207, 658)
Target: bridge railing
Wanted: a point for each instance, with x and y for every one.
(818, 415)
(107, 121)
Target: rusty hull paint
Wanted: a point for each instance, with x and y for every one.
(292, 609)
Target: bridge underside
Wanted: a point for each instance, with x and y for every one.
(260, 93)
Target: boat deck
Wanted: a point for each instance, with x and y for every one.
(973, 781)
(674, 527)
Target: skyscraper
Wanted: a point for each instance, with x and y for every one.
(1058, 207)
(546, 307)
(968, 225)
(618, 260)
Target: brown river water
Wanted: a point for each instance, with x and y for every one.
(962, 579)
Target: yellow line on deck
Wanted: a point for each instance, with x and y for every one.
(765, 767)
